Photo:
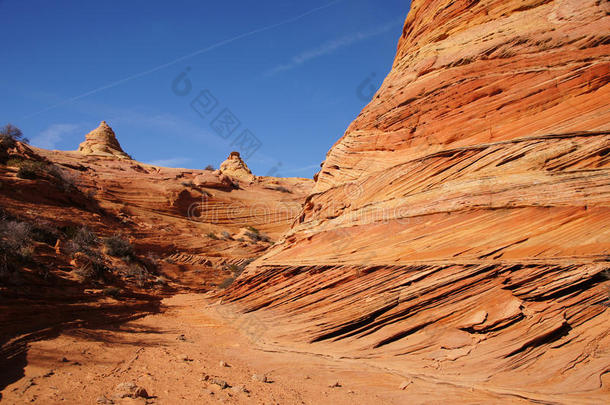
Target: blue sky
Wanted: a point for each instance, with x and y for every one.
(278, 80)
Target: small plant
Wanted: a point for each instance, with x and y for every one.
(82, 240)
(30, 170)
(118, 246)
(226, 235)
(253, 229)
(209, 168)
(212, 235)
(151, 261)
(282, 189)
(14, 162)
(15, 245)
(9, 136)
(90, 265)
(66, 180)
(140, 274)
(255, 235)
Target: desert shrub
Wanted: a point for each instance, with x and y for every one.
(225, 235)
(257, 236)
(212, 235)
(15, 234)
(140, 274)
(9, 136)
(92, 267)
(253, 229)
(14, 162)
(118, 246)
(209, 168)
(15, 245)
(282, 189)
(65, 179)
(82, 240)
(29, 169)
(151, 261)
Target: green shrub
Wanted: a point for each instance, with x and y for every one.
(209, 168)
(212, 235)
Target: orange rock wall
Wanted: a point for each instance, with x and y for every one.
(459, 230)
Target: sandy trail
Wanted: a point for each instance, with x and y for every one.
(176, 356)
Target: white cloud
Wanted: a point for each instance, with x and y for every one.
(49, 138)
(331, 46)
(178, 162)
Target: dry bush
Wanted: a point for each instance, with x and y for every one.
(15, 245)
(82, 240)
(140, 274)
(93, 267)
(45, 232)
(9, 136)
(30, 169)
(119, 246)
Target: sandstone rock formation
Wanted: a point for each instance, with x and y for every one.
(235, 167)
(102, 142)
(179, 223)
(458, 231)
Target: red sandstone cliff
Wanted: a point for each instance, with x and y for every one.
(459, 231)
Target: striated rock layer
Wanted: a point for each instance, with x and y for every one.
(235, 167)
(458, 231)
(102, 142)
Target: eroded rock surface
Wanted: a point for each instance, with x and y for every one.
(235, 167)
(102, 142)
(459, 229)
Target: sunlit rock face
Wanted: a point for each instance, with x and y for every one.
(460, 227)
(102, 142)
(235, 167)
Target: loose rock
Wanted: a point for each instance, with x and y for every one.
(260, 378)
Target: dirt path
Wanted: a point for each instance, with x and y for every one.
(176, 357)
